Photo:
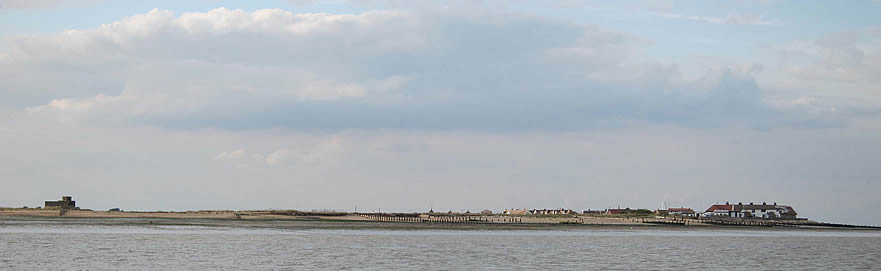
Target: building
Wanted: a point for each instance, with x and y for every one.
(628, 211)
(515, 211)
(752, 210)
(681, 212)
(765, 210)
(66, 202)
(486, 212)
(551, 212)
(721, 210)
(617, 211)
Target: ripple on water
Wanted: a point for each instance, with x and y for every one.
(85, 246)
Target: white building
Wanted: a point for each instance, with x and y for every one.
(551, 212)
(681, 211)
(751, 210)
(515, 211)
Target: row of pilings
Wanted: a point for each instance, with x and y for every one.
(440, 219)
(391, 218)
(746, 222)
(663, 221)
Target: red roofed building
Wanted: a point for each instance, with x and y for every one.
(721, 210)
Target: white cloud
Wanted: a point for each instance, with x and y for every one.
(204, 58)
(328, 151)
(385, 69)
(75, 104)
(15, 4)
(277, 157)
(730, 19)
(238, 158)
(235, 155)
(841, 68)
(804, 103)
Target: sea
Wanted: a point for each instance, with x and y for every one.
(156, 244)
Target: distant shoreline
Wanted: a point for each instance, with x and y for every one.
(405, 221)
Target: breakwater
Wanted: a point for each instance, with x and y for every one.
(471, 219)
(408, 218)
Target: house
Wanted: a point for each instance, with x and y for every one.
(721, 210)
(66, 202)
(628, 211)
(765, 210)
(787, 212)
(681, 211)
(592, 212)
(551, 212)
(752, 210)
(617, 211)
(515, 211)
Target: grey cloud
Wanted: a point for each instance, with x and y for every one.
(388, 69)
(836, 72)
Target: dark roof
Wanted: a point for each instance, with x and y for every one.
(757, 207)
(787, 209)
(740, 207)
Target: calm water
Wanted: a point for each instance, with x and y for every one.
(63, 244)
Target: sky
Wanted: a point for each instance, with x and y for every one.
(445, 105)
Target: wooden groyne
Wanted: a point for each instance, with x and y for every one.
(749, 222)
(392, 218)
(673, 221)
(836, 225)
(410, 218)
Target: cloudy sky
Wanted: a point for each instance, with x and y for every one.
(450, 105)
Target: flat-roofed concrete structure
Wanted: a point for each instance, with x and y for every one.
(66, 202)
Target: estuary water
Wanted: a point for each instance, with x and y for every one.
(97, 244)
